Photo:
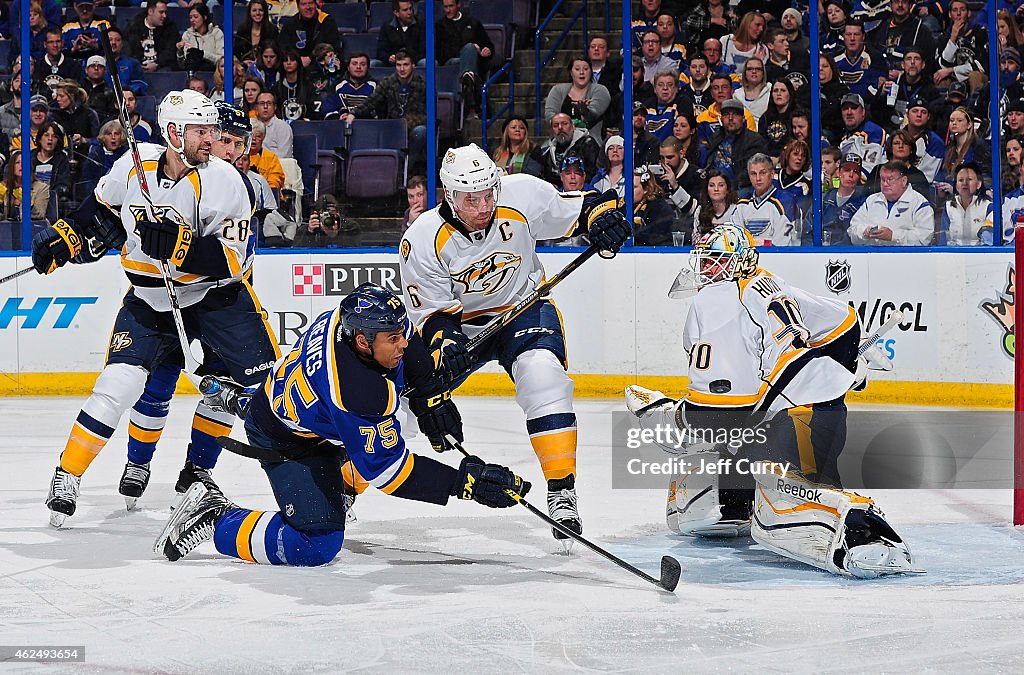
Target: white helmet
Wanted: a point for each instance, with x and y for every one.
(468, 169)
(181, 108)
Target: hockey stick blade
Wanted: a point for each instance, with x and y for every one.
(17, 274)
(670, 571)
(670, 568)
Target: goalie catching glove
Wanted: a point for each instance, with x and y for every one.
(607, 228)
(163, 239)
(488, 484)
(450, 350)
(438, 417)
(55, 246)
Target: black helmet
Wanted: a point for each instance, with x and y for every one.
(233, 120)
(370, 309)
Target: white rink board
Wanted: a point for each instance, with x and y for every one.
(618, 317)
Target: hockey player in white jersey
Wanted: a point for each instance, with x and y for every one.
(764, 354)
(201, 228)
(474, 257)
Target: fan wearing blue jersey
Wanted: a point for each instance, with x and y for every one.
(332, 400)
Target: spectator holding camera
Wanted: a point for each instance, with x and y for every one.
(323, 227)
(679, 179)
(897, 215)
(581, 98)
(653, 215)
(967, 217)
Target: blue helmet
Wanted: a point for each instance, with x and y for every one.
(370, 309)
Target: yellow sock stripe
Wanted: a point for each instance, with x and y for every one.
(352, 478)
(397, 481)
(556, 453)
(144, 435)
(242, 540)
(210, 427)
(802, 423)
(81, 449)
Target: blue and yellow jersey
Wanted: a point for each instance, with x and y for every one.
(323, 390)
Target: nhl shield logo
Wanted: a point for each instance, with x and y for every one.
(837, 276)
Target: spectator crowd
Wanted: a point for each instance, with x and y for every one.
(719, 117)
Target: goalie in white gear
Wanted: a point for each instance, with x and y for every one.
(762, 352)
(474, 257)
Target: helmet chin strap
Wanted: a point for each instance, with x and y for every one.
(180, 152)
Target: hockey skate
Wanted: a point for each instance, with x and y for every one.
(193, 522)
(562, 509)
(63, 496)
(192, 474)
(133, 483)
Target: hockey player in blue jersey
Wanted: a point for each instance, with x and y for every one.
(334, 398)
(149, 414)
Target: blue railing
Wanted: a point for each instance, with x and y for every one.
(540, 63)
(485, 119)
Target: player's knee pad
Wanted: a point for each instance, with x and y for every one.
(117, 388)
(841, 532)
(542, 385)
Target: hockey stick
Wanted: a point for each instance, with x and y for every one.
(502, 320)
(670, 568)
(17, 274)
(191, 364)
(870, 340)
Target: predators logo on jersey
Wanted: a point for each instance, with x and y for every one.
(490, 275)
(161, 211)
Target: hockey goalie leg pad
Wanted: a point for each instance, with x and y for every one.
(544, 392)
(693, 508)
(841, 532)
(116, 389)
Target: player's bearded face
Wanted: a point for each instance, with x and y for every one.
(199, 139)
(388, 348)
(475, 208)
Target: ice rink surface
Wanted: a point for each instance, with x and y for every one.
(420, 588)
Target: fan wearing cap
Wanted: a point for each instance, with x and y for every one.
(911, 84)
(964, 54)
(573, 175)
(82, 36)
(839, 204)
(956, 96)
(792, 22)
(100, 95)
(1014, 125)
(733, 144)
(1010, 73)
(897, 215)
(930, 148)
(860, 135)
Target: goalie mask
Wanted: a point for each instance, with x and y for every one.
(472, 183)
(726, 253)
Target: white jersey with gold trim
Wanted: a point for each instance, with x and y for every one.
(738, 335)
(211, 200)
(484, 273)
